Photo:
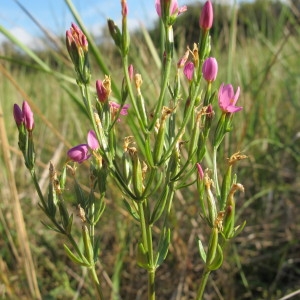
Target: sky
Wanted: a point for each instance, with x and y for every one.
(54, 16)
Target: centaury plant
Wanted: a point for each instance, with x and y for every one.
(163, 153)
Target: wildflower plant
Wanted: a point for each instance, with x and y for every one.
(164, 153)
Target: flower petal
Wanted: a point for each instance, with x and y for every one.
(92, 140)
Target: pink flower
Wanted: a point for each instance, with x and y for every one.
(92, 140)
(174, 9)
(28, 116)
(210, 69)
(207, 16)
(189, 70)
(227, 98)
(18, 115)
(79, 153)
(115, 107)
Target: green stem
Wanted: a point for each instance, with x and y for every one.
(162, 93)
(92, 225)
(151, 284)
(37, 187)
(182, 127)
(166, 75)
(203, 283)
(96, 282)
(130, 91)
(215, 172)
(92, 270)
(148, 245)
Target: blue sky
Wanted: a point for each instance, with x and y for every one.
(54, 15)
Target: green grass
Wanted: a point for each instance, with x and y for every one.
(265, 264)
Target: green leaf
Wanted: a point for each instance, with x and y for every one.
(212, 246)
(142, 257)
(99, 209)
(159, 206)
(96, 249)
(238, 229)
(218, 260)
(51, 227)
(201, 250)
(52, 201)
(88, 247)
(80, 197)
(70, 223)
(133, 213)
(64, 214)
(163, 247)
(75, 258)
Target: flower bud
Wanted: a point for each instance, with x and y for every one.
(210, 69)
(18, 115)
(114, 32)
(77, 46)
(103, 89)
(124, 8)
(130, 72)
(207, 16)
(137, 174)
(28, 116)
(79, 153)
(189, 71)
(200, 171)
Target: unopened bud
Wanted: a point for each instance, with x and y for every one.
(114, 32)
(103, 89)
(189, 71)
(18, 115)
(210, 69)
(28, 116)
(200, 171)
(207, 16)
(130, 71)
